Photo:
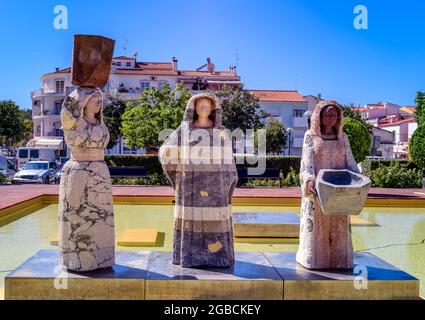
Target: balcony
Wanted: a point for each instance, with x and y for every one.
(299, 122)
(125, 93)
(36, 111)
(51, 93)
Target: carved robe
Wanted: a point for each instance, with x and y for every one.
(86, 215)
(325, 241)
(203, 229)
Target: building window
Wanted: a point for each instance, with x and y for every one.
(58, 132)
(297, 113)
(144, 85)
(128, 64)
(60, 85)
(119, 63)
(161, 84)
(58, 106)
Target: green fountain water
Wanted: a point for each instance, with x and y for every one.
(399, 237)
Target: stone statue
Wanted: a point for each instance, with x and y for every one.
(86, 215)
(325, 240)
(198, 161)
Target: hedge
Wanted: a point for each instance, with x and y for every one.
(417, 146)
(285, 164)
(288, 165)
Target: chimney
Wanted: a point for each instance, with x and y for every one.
(56, 69)
(233, 70)
(319, 96)
(174, 64)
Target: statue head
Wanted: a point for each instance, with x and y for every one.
(327, 114)
(205, 105)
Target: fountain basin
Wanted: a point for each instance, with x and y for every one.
(341, 192)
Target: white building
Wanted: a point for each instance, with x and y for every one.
(288, 107)
(127, 80)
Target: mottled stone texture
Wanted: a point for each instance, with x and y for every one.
(341, 191)
(86, 216)
(325, 240)
(204, 181)
(91, 61)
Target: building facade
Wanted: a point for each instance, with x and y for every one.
(127, 80)
(288, 107)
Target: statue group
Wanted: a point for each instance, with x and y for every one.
(197, 158)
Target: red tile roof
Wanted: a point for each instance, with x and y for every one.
(206, 73)
(123, 58)
(408, 109)
(278, 95)
(155, 65)
(146, 72)
(395, 123)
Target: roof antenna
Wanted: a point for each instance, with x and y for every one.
(125, 46)
(237, 57)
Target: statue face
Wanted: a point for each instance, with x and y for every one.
(203, 107)
(329, 117)
(94, 104)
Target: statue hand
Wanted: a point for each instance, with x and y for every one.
(311, 187)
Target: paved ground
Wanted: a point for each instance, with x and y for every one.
(13, 194)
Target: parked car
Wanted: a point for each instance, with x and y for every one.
(36, 172)
(58, 175)
(6, 168)
(25, 155)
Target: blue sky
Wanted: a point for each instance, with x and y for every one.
(308, 45)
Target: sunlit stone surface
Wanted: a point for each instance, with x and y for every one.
(266, 224)
(255, 275)
(341, 191)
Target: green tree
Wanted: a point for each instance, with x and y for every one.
(156, 110)
(417, 146)
(275, 136)
(420, 107)
(359, 138)
(112, 115)
(240, 109)
(12, 123)
(349, 111)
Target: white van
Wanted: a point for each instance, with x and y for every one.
(25, 155)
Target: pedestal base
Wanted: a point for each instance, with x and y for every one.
(266, 224)
(255, 276)
(370, 279)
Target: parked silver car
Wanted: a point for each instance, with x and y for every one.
(36, 172)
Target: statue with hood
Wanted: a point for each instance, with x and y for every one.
(197, 158)
(86, 215)
(325, 240)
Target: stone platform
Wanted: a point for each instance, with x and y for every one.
(266, 224)
(255, 276)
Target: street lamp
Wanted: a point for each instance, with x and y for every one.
(307, 115)
(289, 130)
(63, 143)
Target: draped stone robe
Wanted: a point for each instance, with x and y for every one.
(325, 241)
(203, 184)
(86, 215)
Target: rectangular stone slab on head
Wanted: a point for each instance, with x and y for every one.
(37, 277)
(91, 60)
(384, 281)
(266, 224)
(251, 278)
(138, 237)
(341, 192)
